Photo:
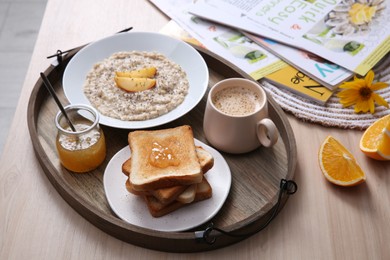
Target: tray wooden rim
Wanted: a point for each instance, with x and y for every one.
(157, 240)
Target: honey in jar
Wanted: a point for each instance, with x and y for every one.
(82, 150)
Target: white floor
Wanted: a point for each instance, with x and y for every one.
(20, 21)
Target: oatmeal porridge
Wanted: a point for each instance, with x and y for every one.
(170, 90)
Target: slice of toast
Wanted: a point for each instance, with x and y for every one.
(164, 195)
(157, 209)
(167, 195)
(176, 144)
(130, 189)
(206, 161)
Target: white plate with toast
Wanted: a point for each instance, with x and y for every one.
(133, 209)
(178, 51)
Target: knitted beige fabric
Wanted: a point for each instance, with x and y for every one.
(332, 114)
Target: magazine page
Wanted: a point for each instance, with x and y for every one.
(328, 74)
(226, 42)
(349, 33)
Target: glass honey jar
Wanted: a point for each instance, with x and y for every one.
(82, 150)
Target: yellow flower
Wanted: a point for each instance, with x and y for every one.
(360, 92)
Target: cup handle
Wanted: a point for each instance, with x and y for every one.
(267, 133)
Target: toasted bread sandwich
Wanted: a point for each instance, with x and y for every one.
(182, 193)
(163, 158)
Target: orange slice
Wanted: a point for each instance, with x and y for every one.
(148, 72)
(384, 145)
(375, 141)
(338, 165)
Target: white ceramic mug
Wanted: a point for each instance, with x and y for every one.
(235, 130)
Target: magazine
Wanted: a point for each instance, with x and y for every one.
(304, 86)
(297, 82)
(287, 77)
(352, 34)
(226, 42)
(328, 74)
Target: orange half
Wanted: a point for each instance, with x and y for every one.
(338, 165)
(375, 141)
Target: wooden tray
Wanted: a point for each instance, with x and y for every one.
(256, 176)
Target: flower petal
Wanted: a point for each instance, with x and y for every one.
(348, 92)
(357, 84)
(347, 103)
(369, 78)
(357, 109)
(362, 106)
(380, 100)
(371, 104)
(379, 85)
(349, 99)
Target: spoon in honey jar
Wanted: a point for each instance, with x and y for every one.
(50, 88)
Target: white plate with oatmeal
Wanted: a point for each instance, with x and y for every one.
(181, 79)
(133, 209)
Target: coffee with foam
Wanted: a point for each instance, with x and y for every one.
(236, 117)
(237, 101)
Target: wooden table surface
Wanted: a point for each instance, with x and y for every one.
(320, 221)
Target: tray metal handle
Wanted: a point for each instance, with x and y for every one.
(287, 187)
